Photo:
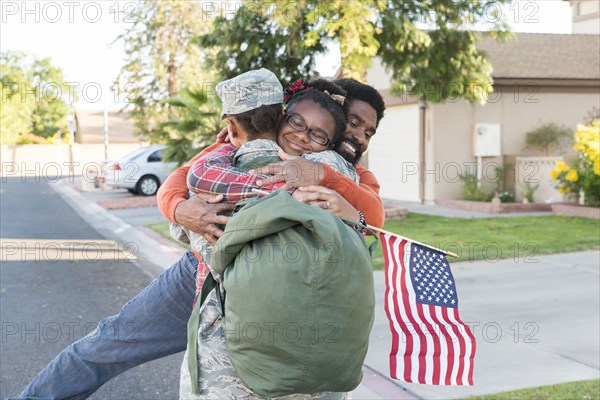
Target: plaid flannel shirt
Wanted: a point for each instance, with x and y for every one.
(215, 173)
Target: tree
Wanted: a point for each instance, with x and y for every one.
(353, 24)
(160, 58)
(253, 39)
(16, 109)
(35, 98)
(546, 137)
(196, 125)
(430, 46)
(50, 114)
(264, 35)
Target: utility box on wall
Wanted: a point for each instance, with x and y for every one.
(487, 140)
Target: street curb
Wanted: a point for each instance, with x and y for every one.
(383, 387)
(154, 255)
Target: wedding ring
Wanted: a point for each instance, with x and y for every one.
(327, 204)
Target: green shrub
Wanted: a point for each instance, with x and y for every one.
(473, 188)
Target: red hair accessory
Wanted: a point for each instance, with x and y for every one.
(295, 87)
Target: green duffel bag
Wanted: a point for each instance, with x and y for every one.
(300, 299)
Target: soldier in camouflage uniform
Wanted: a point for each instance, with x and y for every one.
(216, 375)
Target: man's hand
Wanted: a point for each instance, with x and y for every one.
(295, 171)
(199, 214)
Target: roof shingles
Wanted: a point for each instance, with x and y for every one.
(545, 56)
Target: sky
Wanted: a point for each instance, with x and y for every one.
(80, 36)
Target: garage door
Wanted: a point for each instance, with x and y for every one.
(394, 153)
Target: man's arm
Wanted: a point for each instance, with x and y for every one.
(174, 189)
(364, 197)
(216, 174)
(200, 213)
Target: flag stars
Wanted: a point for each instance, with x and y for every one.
(431, 277)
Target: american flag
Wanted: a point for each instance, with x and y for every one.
(430, 344)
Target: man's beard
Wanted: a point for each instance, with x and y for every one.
(349, 148)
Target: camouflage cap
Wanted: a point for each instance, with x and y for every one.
(249, 91)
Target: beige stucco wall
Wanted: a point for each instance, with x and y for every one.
(49, 160)
(589, 26)
(451, 140)
(378, 76)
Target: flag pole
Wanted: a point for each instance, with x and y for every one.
(448, 253)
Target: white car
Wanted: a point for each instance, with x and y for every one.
(140, 172)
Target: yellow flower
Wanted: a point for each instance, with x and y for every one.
(597, 165)
(593, 149)
(564, 189)
(572, 176)
(561, 166)
(554, 174)
(587, 141)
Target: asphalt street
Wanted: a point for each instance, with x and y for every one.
(58, 278)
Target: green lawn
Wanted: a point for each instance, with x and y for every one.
(163, 229)
(583, 390)
(519, 238)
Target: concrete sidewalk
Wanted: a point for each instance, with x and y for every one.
(535, 322)
(440, 211)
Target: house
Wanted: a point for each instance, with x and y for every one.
(421, 149)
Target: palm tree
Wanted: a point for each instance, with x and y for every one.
(195, 127)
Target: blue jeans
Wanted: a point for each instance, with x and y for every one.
(151, 325)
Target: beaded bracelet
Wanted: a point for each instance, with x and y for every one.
(360, 227)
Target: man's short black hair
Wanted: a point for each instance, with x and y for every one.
(363, 92)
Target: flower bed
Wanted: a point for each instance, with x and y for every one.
(493, 208)
(393, 213)
(574, 210)
(128, 202)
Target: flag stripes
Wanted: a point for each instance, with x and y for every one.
(430, 344)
